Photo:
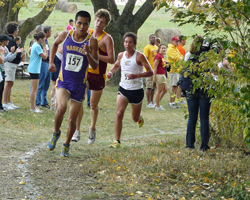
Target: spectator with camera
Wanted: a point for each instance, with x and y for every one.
(198, 100)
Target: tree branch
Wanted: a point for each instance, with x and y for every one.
(213, 4)
(29, 24)
(128, 9)
(142, 14)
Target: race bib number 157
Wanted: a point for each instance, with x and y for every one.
(73, 62)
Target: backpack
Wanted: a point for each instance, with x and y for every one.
(185, 78)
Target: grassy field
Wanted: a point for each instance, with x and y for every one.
(153, 162)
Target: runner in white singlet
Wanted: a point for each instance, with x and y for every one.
(130, 89)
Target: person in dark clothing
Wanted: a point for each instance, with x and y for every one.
(197, 101)
(10, 67)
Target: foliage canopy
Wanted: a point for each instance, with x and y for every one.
(226, 22)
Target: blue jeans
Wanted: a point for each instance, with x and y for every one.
(43, 87)
(198, 101)
(88, 97)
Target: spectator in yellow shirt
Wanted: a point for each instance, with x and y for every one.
(150, 51)
(173, 56)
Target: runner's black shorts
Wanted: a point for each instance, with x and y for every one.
(133, 96)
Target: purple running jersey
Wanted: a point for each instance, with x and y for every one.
(74, 61)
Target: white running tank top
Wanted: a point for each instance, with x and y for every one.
(129, 66)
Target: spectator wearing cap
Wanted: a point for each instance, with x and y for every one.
(11, 66)
(7, 57)
(173, 56)
(181, 45)
(70, 25)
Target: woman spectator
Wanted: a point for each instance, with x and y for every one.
(38, 51)
(54, 75)
(159, 75)
(197, 100)
(7, 57)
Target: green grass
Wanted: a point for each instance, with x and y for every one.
(153, 162)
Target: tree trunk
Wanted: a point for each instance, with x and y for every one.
(26, 26)
(124, 22)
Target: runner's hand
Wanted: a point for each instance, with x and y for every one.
(86, 49)
(52, 67)
(109, 74)
(133, 76)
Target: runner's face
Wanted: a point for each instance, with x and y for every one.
(129, 44)
(82, 25)
(100, 23)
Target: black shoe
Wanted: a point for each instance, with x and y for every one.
(45, 106)
(3, 110)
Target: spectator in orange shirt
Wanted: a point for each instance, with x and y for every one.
(181, 44)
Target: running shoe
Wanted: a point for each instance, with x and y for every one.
(140, 122)
(160, 108)
(36, 110)
(13, 106)
(115, 145)
(76, 136)
(65, 150)
(92, 134)
(8, 106)
(52, 143)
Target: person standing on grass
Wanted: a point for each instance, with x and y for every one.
(97, 77)
(44, 77)
(150, 51)
(38, 52)
(130, 89)
(10, 67)
(173, 56)
(79, 50)
(197, 101)
(54, 75)
(7, 57)
(159, 76)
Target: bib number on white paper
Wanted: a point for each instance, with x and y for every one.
(125, 79)
(74, 62)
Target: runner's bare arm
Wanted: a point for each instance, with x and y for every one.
(116, 66)
(92, 53)
(58, 40)
(110, 58)
(142, 61)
